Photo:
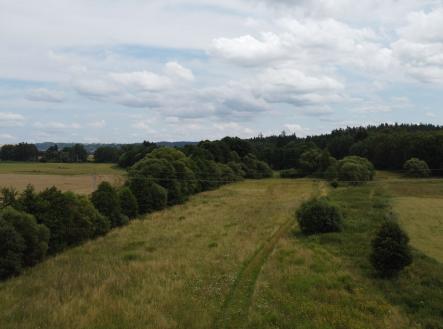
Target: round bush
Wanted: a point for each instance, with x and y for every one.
(355, 170)
(390, 250)
(416, 168)
(319, 216)
(150, 196)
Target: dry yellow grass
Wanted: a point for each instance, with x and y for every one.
(81, 178)
(82, 184)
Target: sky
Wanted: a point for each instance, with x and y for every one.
(123, 71)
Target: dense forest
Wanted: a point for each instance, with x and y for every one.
(386, 146)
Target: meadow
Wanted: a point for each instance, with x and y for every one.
(81, 178)
(234, 258)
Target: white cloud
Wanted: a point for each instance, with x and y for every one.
(142, 81)
(249, 50)
(292, 86)
(176, 70)
(56, 125)
(424, 26)
(420, 47)
(45, 95)
(8, 119)
(97, 124)
(7, 137)
(297, 129)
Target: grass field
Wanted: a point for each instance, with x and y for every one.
(77, 177)
(230, 258)
(39, 168)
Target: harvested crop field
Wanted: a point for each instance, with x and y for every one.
(83, 184)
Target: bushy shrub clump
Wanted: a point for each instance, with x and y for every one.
(390, 250)
(107, 202)
(255, 168)
(415, 167)
(23, 241)
(355, 170)
(319, 216)
(35, 236)
(70, 218)
(128, 202)
(149, 195)
(291, 173)
(12, 247)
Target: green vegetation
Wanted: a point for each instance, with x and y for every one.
(106, 200)
(128, 202)
(174, 269)
(416, 168)
(390, 249)
(327, 280)
(386, 146)
(422, 219)
(107, 154)
(215, 261)
(355, 170)
(319, 216)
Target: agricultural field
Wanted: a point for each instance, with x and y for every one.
(81, 178)
(230, 258)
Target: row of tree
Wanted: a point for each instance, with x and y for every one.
(29, 152)
(386, 146)
(34, 224)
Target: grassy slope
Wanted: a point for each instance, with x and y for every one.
(38, 168)
(229, 259)
(172, 270)
(327, 282)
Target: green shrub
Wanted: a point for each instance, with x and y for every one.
(29, 201)
(35, 236)
(159, 168)
(71, 219)
(12, 247)
(334, 183)
(98, 224)
(128, 203)
(355, 170)
(319, 216)
(106, 201)
(255, 168)
(292, 173)
(149, 195)
(390, 250)
(416, 168)
(8, 197)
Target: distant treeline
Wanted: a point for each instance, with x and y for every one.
(386, 146)
(29, 152)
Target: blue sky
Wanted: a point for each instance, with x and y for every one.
(127, 71)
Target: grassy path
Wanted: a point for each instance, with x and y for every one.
(234, 312)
